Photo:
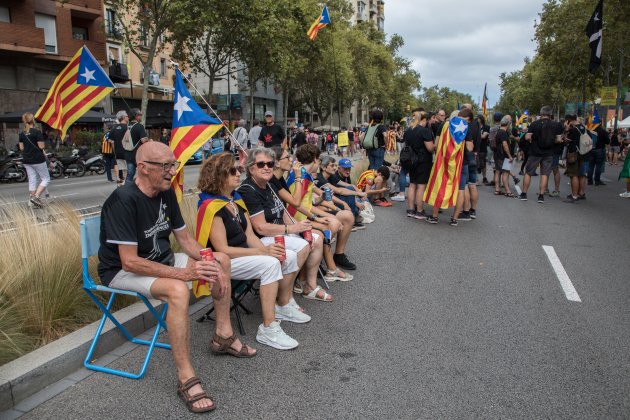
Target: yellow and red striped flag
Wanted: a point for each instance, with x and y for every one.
(321, 21)
(207, 208)
(191, 129)
(79, 86)
(443, 185)
(484, 102)
(307, 194)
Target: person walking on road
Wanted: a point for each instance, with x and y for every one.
(107, 150)
(31, 143)
(272, 134)
(597, 159)
(138, 137)
(116, 134)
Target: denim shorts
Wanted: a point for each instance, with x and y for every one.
(472, 174)
(584, 168)
(463, 181)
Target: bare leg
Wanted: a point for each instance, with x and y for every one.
(474, 196)
(505, 176)
(544, 179)
(459, 205)
(268, 295)
(411, 197)
(419, 196)
(347, 220)
(527, 179)
(466, 205)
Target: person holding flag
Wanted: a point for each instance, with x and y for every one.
(598, 154)
(449, 176)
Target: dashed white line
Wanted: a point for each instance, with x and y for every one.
(562, 275)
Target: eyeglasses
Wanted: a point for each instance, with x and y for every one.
(166, 166)
(270, 164)
(282, 158)
(235, 170)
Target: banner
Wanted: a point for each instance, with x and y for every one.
(342, 139)
(609, 96)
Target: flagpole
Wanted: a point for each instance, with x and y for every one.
(619, 87)
(332, 43)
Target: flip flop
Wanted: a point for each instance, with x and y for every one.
(332, 275)
(313, 295)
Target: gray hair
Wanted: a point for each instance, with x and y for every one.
(241, 123)
(506, 120)
(120, 115)
(327, 160)
(251, 157)
(546, 110)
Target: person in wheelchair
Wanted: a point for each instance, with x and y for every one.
(225, 226)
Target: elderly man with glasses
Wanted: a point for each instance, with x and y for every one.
(135, 254)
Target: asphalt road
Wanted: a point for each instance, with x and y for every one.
(439, 322)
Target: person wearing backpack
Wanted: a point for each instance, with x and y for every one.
(492, 143)
(138, 137)
(543, 135)
(374, 140)
(116, 134)
(577, 158)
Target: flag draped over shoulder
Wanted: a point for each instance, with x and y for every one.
(307, 194)
(594, 33)
(79, 86)
(484, 104)
(593, 120)
(321, 21)
(207, 208)
(366, 178)
(523, 117)
(443, 185)
(191, 129)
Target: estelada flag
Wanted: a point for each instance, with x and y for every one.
(307, 194)
(207, 208)
(593, 120)
(321, 21)
(484, 102)
(191, 129)
(79, 86)
(443, 185)
(366, 178)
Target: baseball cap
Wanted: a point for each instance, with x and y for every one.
(268, 114)
(345, 163)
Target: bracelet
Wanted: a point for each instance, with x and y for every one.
(298, 179)
(286, 229)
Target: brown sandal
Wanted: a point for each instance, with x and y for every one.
(220, 345)
(190, 400)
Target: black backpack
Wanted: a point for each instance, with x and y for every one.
(408, 158)
(547, 138)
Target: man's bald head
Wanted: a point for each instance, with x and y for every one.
(154, 151)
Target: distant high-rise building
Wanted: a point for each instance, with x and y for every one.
(370, 11)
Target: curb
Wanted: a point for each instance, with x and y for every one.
(31, 373)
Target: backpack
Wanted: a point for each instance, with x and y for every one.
(408, 158)
(127, 143)
(547, 138)
(586, 142)
(492, 139)
(370, 141)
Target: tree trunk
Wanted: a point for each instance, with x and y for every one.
(252, 87)
(285, 105)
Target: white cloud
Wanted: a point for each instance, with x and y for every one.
(461, 44)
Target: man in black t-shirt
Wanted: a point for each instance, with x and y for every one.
(272, 134)
(116, 134)
(135, 255)
(543, 134)
(138, 137)
(598, 156)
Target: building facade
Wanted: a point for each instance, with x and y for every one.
(37, 40)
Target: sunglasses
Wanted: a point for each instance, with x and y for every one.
(166, 166)
(236, 170)
(270, 164)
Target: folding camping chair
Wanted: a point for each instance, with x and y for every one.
(90, 231)
(240, 288)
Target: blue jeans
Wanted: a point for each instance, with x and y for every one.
(597, 161)
(376, 157)
(131, 171)
(402, 180)
(351, 200)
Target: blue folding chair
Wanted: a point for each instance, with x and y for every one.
(90, 231)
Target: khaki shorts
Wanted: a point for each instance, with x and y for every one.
(545, 163)
(122, 164)
(142, 284)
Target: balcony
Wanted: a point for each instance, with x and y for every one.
(373, 8)
(96, 48)
(21, 38)
(86, 9)
(118, 73)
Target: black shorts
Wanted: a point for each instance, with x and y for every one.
(420, 173)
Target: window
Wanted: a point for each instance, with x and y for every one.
(47, 23)
(144, 36)
(114, 54)
(7, 77)
(80, 33)
(5, 14)
(111, 26)
(360, 8)
(162, 67)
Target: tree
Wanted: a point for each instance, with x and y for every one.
(434, 98)
(145, 27)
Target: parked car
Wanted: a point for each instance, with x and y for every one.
(196, 158)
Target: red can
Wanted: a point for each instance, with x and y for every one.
(206, 255)
(279, 239)
(308, 236)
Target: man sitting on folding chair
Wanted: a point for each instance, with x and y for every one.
(135, 254)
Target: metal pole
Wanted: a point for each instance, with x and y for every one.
(229, 77)
(619, 86)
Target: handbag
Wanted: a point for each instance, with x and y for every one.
(572, 157)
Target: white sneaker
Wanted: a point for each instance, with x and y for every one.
(275, 337)
(398, 197)
(293, 303)
(291, 314)
(625, 195)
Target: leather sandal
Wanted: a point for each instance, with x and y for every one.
(220, 345)
(190, 400)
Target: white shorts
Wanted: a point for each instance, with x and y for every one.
(267, 269)
(142, 284)
(292, 242)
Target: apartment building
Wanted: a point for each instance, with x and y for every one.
(37, 40)
(370, 11)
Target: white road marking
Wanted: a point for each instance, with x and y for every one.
(26, 201)
(562, 275)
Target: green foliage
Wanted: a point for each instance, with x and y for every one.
(434, 98)
(88, 138)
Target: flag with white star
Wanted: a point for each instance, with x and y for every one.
(192, 127)
(81, 84)
(594, 33)
(443, 186)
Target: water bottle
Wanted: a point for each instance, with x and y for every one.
(327, 194)
(303, 172)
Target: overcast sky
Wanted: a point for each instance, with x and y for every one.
(462, 47)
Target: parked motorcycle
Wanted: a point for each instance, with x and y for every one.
(62, 165)
(11, 169)
(92, 163)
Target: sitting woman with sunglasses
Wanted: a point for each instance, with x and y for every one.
(270, 220)
(225, 226)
